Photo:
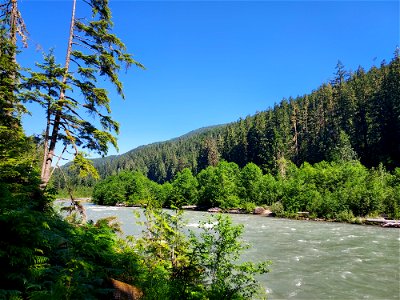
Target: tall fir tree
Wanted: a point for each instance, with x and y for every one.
(92, 51)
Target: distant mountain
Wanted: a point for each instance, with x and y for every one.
(197, 132)
(160, 160)
(102, 160)
(356, 114)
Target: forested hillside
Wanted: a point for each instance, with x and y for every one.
(355, 115)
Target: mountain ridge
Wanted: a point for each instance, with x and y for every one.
(355, 115)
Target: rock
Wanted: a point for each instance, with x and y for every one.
(268, 213)
(214, 210)
(263, 212)
(259, 210)
(392, 224)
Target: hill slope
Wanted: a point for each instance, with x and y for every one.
(356, 114)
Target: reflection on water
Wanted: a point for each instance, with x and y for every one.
(311, 260)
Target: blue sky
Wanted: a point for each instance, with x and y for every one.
(212, 62)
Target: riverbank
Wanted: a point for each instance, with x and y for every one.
(301, 215)
(305, 216)
(267, 212)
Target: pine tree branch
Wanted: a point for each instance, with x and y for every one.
(86, 46)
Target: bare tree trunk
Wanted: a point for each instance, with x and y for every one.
(13, 37)
(295, 134)
(46, 139)
(46, 167)
(13, 24)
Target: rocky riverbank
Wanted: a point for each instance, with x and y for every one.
(265, 212)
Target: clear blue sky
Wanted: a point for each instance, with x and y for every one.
(212, 62)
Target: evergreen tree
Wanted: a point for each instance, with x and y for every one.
(94, 51)
(11, 25)
(209, 154)
(390, 117)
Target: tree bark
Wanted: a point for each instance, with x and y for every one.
(13, 24)
(46, 139)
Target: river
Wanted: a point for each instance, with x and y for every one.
(310, 260)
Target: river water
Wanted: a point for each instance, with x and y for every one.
(310, 260)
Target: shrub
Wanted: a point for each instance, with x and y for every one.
(277, 209)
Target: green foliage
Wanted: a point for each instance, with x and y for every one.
(325, 190)
(277, 209)
(217, 250)
(140, 189)
(77, 192)
(109, 192)
(251, 183)
(270, 190)
(84, 166)
(126, 188)
(218, 186)
(16, 152)
(202, 267)
(164, 252)
(392, 202)
(43, 256)
(184, 189)
(345, 216)
(247, 207)
(332, 189)
(343, 151)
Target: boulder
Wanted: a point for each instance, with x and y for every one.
(259, 210)
(262, 211)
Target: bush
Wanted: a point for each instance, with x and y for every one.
(345, 216)
(277, 209)
(202, 267)
(216, 251)
(248, 207)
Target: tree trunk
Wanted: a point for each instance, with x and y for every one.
(49, 152)
(46, 138)
(13, 24)
(13, 39)
(295, 134)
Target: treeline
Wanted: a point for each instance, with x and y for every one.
(358, 110)
(336, 190)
